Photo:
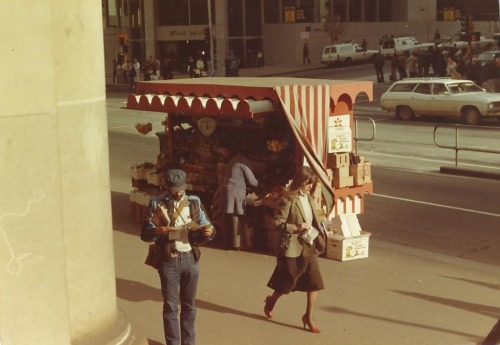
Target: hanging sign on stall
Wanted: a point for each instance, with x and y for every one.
(207, 125)
(339, 134)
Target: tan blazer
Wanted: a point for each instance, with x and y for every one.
(289, 214)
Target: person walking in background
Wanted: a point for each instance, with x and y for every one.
(260, 59)
(364, 44)
(394, 67)
(378, 63)
(412, 65)
(305, 54)
(177, 240)
(297, 266)
(131, 76)
(137, 66)
(191, 66)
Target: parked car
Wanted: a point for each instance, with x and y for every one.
(488, 56)
(458, 98)
(346, 54)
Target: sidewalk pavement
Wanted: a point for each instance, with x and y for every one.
(398, 295)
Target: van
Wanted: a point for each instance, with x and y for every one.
(346, 54)
(398, 45)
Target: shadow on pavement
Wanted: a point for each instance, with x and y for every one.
(136, 292)
(122, 221)
(397, 321)
(487, 285)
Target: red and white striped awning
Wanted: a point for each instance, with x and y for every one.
(200, 106)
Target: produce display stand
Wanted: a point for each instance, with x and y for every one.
(283, 122)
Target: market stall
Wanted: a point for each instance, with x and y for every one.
(283, 122)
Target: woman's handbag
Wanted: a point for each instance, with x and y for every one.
(153, 258)
(281, 241)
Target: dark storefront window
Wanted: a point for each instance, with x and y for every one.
(355, 12)
(371, 10)
(199, 12)
(271, 12)
(235, 18)
(339, 9)
(384, 11)
(173, 12)
(253, 18)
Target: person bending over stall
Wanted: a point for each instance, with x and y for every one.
(297, 266)
(233, 193)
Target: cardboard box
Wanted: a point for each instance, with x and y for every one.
(337, 160)
(347, 248)
(367, 171)
(339, 225)
(356, 171)
(341, 172)
(342, 182)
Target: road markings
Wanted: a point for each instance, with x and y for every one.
(438, 205)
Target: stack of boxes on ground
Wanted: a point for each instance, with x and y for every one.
(346, 240)
(145, 183)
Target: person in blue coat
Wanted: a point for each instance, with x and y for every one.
(237, 177)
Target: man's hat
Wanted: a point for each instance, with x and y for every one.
(175, 180)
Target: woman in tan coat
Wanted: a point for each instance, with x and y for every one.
(297, 266)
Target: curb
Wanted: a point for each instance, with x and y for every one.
(479, 173)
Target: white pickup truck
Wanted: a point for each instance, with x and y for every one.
(399, 45)
(346, 54)
(482, 44)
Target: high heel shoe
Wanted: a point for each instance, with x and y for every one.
(268, 306)
(312, 328)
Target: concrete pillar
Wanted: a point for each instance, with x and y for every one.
(57, 279)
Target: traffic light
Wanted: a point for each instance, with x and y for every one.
(206, 35)
(122, 39)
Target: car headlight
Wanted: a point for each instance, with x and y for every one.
(494, 106)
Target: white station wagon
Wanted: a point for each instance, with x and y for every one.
(462, 99)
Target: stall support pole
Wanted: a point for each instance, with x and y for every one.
(170, 137)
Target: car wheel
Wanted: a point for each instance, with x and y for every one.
(471, 116)
(348, 61)
(404, 112)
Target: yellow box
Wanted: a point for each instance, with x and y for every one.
(341, 172)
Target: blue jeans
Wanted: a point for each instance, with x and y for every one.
(179, 277)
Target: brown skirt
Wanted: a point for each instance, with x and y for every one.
(296, 274)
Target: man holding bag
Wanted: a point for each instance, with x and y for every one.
(178, 224)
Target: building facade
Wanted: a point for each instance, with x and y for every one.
(278, 28)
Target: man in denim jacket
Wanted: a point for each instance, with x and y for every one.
(178, 224)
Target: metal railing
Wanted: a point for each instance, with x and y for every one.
(457, 147)
(356, 138)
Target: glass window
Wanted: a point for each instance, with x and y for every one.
(173, 12)
(355, 13)
(253, 18)
(424, 88)
(371, 11)
(235, 17)
(385, 10)
(199, 12)
(271, 11)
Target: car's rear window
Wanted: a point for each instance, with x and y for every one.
(403, 87)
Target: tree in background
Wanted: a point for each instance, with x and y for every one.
(334, 26)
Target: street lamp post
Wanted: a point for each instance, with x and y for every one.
(211, 39)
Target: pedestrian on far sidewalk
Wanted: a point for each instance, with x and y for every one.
(378, 63)
(305, 54)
